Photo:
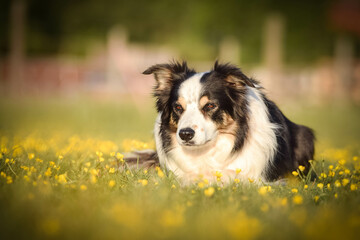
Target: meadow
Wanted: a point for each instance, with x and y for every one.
(63, 176)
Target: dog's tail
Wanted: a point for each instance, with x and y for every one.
(142, 159)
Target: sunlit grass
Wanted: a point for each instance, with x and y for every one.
(64, 182)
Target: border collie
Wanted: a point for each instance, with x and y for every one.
(220, 123)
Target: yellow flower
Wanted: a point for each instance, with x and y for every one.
(306, 186)
(38, 160)
(3, 174)
(51, 163)
(337, 183)
(143, 182)
(9, 180)
(31, 156)
(295, 173)
(331, 167)
(297, 199)
(316, 198)
(353, 187)
(218, 174)
(263, 190)
(329, 186)
(112, 183)
(251, 180)
(83, 187)
(101, 159)
(120, 157)
(323, 175)
(336, 195)
(201, 185)
(111, 170)
(236, 180)
(160, 173)
(61, 157)
(88, 164)
(342, 162)
(48, 172)
(173, 186)
(355, 158)
(26, 178)
(294, 190)
(345, 182)
(209, 191)
(301, 168)
(320, 185)
(238, 170)
(145, 171)
(62, 179)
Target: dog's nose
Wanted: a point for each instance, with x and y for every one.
(186, 134)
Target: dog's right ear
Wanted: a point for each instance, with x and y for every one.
(166, 74)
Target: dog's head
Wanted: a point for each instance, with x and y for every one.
(199, 106)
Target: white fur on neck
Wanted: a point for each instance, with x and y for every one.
(253, 159)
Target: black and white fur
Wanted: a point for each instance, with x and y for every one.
(222, 121)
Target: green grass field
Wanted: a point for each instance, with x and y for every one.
(60, 179)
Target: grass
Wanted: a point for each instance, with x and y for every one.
(62, 176)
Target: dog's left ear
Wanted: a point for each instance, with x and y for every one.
(233, 75)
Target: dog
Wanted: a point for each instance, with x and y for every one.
(220, 124)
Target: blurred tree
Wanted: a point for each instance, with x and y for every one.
(194, 28)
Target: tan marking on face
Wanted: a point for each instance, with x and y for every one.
(182, 102)
(194, 127)
(173, 125)
(204, 100)
(229, 126)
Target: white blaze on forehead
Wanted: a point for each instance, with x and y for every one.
(191, 88)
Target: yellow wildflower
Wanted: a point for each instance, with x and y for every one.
(93, 179)
(88, 164)
(48, 172)
(62, 179)
(264, 189)
(238, 170)
(26, 178)
(201, 185)
(160, 173)
(345, 182)
(342, 162)
(329, 186)
(337, 183)
(353, 187)
(173, 186)
(251, 180)
(111, 170)
(38, 160)
(9, 180)
(236, 180)
(301, 168)
(336, 195)
(120, 157)
(355, 158)
(3, 174)
(112, 183)
(294, 190)
(331, 167)
(320, 185)
(31, 156)
(316, 198)
(209, 191)
(295, 173)
(143, 182)
(297, 199)
(306, 186)
(323, 175)
(7, 160)
(83, 187)
(51, 163)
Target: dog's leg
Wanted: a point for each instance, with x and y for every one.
(142, 159)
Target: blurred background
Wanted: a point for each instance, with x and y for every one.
(303, 52)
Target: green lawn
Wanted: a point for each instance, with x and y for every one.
(60, 179)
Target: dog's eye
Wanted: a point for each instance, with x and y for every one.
(209, 106)
(178, 108)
